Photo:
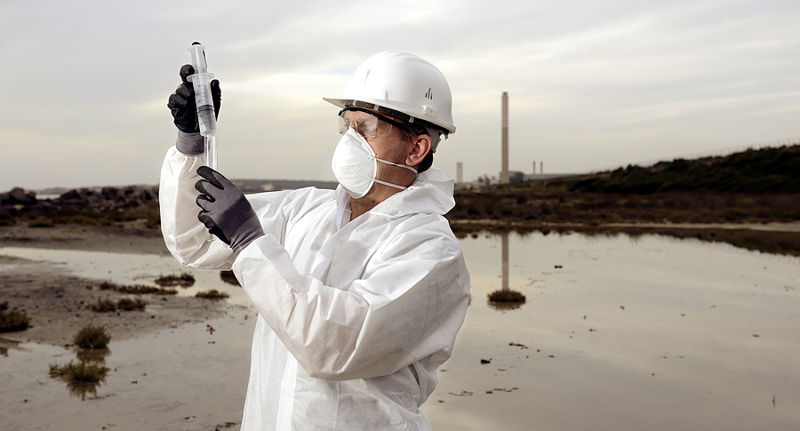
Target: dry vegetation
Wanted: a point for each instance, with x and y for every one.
(213, 294)
(750, 186)
(12, 320)
(183, 280)
(542, 204)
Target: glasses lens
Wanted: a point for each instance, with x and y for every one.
(368, 126)
(383, 129)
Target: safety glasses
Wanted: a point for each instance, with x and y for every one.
(375, 125)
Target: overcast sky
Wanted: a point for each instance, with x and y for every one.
(592, 84)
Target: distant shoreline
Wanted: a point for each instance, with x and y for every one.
(773, 238)
(490, 224)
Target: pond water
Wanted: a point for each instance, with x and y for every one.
(615, 334)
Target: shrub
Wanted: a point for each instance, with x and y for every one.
(135, 289)
(506, 299)
(92, 337)
(107, 286)
(139, 289)
(229, 277)
(126, 304)
(184, 280)
(506, 295)
(104, 306)
(12, 321)
(212, 294)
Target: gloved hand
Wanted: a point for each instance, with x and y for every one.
(182, 105)
(225, 211)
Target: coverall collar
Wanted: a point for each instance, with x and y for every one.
(430, 193)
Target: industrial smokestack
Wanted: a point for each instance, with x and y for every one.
(541, 168)
(504, 257)
(459, 172)
(504, 140)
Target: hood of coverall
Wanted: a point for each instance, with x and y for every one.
(431, 193)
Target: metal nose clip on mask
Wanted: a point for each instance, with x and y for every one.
(355, 165)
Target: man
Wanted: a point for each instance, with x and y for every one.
(360, 291)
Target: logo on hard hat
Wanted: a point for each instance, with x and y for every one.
(429, 94)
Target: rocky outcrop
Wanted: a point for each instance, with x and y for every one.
(17, 196)
(111, 199)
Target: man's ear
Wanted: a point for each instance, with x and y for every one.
(419, 149)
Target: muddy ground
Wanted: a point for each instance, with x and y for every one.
(128, 239)
(57, 303)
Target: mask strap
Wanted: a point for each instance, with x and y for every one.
(385, 183)
(398, 165)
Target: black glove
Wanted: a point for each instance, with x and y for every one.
(182, 104)
(225, 211)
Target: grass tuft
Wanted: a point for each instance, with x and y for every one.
(504, 295)
(229, 277)
(103, 306)
(127, 304)
(140, 289)
(13, 320)
(506, 299)
(212, 294)
(184, 280)
(135, 289)
(92, 337)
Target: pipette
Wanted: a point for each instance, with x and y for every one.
(201, 81)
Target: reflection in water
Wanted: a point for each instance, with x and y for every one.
(81, 378)
(505, 298)
(784, 242)
(92, 355)
(6, 344)
(652, 333)
(504, 266)
(87, 375)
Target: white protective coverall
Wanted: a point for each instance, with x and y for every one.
(354, 316)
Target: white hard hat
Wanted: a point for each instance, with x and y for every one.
(403, 83)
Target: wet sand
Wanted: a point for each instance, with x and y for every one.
(622, 333)
(58, 302)
(130, 239)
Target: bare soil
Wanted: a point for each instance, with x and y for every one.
(127, 239)
(58, 304)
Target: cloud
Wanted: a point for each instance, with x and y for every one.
(592, 84)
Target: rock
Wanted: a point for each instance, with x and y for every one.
(18, 196)
(109, 192)
(110, 198)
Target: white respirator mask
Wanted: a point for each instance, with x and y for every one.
(355, 165)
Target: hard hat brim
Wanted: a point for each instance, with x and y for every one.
(342, 103)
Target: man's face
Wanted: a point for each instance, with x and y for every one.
(384, 138)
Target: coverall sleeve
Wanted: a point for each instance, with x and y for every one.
(186, 238)
(408, 306)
